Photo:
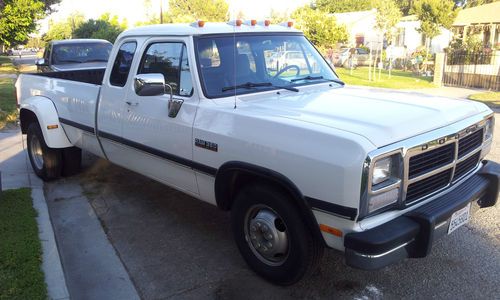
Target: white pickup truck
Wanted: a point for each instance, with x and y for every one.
(301, 162)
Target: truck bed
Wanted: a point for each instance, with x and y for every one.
(73, 93)
(92, 76)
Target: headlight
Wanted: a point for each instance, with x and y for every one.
(385, 169)
(382, 170)
(488, 128)
(385, 183)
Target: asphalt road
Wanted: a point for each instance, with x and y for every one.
(174, 246)
(28, 59)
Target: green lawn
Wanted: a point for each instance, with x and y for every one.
(6, 65)
(398, 80)
(8, 109)
(489, 98)
(21, 276)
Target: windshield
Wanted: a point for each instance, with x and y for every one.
(244, 64)
(81, 53)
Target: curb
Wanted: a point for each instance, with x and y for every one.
(51, 261)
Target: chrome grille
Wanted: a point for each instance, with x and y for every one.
(443, 162)
(466, 166)
(469, 143)
(431, 160)
(428, 186)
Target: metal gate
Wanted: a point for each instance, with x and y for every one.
(473, 70)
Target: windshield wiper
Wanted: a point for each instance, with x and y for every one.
(309, 77)
(69, 61)
(250, 85)
(96, 60)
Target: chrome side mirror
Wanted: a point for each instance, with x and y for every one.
(154, 85)
(150, 84)
(40, 62)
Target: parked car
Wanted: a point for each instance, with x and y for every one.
(302, 162)
(283, 59)
(360, 57)
(76, 54)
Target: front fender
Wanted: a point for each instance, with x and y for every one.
(46, 114)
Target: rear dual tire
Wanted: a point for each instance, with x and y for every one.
(50, 163)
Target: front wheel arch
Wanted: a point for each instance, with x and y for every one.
(233, 176)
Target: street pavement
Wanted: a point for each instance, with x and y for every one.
(175, 246)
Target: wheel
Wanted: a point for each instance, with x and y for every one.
(272, 236)
(46, 162)
(72, 161)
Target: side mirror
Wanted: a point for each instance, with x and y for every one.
(150, 84)
(154, 85)
(41, 62)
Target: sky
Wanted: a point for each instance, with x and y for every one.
(135, 11)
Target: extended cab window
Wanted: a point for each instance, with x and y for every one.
(169, 59)
(122, 64)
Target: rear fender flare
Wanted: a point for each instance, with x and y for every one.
(46, 115)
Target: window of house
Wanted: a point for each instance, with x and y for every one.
(122, 64)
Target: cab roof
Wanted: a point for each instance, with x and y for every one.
(185, 29)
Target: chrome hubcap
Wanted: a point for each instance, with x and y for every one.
(266, 234)
(36, 152)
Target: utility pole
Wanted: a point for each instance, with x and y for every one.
(161, 11)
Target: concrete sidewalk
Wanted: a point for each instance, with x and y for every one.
(17, 173)
(72, 237)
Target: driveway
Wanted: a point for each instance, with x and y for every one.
(174, 246)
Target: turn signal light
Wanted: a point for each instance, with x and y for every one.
(330, 230)
(52, 127)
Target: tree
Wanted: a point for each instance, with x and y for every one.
(388, 15)
(18, 19)
(64, 30)
(405, 6)
(433, 15)
(106, 28)
(192, 10)
(340, 6)
(473, 3)
(319, 27)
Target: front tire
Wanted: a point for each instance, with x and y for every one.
(272, 236)
(46, 162)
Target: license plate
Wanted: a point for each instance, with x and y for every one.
(459, 218)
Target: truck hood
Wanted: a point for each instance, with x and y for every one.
(382, 116)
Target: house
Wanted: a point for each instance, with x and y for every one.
(361, 26)
(483, 21)
(407, 34)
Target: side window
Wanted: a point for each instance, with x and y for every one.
(122, 64)
(169, 59)
(209, 55)
(46, 54)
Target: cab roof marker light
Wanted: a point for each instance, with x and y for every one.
(237, 22)
(251, 22)
(199, 24)
(264, 23)
(288, 24)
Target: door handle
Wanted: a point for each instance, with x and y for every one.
(132, 103)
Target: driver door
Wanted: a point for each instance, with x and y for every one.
(159, 145)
